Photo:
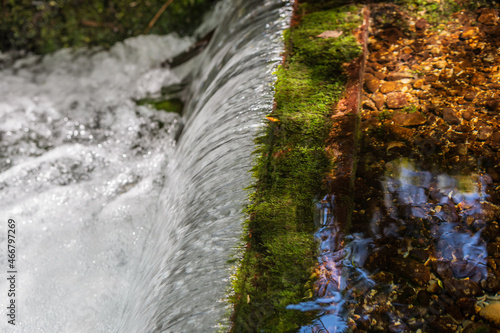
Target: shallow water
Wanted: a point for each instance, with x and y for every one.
(119, 226)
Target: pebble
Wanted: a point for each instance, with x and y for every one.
(491, 313)
(396, 100)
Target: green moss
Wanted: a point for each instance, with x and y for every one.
(44, 27)
(169, 105)
(410, 109)
(291, 164)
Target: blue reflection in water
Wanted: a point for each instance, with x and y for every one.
(452, 208)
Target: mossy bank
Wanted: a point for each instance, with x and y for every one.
(46, 26)
(291, 164)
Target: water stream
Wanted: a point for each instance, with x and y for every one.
(126, 215)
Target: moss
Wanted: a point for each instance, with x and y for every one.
(169, 105)
(43, 27)
(291, 163)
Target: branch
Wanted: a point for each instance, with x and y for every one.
(158, 14)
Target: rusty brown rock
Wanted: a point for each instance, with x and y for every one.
(371, 83)
(478, 80)
(418, 84)
(484, 133)
(380, 75)
(388, 87)
(467, 115)
(489, 16)
(401, 132)
(431, 78)
(469, 32)
(398, 76)
(421, 25)
(494, 140)
(368, 104)
(451, 116)
(440, 64)
(379, 100)
(492, 104)
(470, 95)
(409, 119)
(396, 100)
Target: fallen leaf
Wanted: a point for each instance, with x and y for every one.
(330, 34)
(275, 120)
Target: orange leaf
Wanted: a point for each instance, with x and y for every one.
(274, 120)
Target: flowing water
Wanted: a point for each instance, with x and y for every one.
(125, 215)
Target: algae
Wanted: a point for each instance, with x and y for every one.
(290, 168)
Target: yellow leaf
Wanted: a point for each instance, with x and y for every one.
(273, 119)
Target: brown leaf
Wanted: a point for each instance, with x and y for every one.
(330, 34)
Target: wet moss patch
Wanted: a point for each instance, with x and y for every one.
(291, 165)
(168, 105)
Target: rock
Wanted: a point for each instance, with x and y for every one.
(395, 147)
(491, 232)
(489, 16)
(478, 327)
(467, 115)
(388, 87)
(424, 298)
(421, 25)
(371, 83)
(494, 249)
(491, 313)
(443, 324)
(492, 104)
(418, 84)
(419, 254)
(412, 270)
(440, 64)
(431, 78)
(491, 283)
(470, 95)
(484, 133)
(400, 131)
(467, 306)
(379, 100)
(409, 119)
(478, 80)
(380, 75)
(494, 140)
(398, 76)
(464, 288)
(469, 32)
(396, 100)
(368, 104)
(451, 116)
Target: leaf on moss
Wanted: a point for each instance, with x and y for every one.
(330, 34)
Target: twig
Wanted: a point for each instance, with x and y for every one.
(158, 14)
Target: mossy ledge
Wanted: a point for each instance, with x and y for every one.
(292, 163)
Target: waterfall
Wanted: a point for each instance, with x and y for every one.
(126, 215)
